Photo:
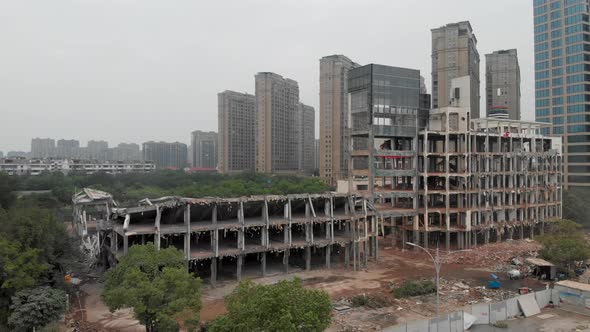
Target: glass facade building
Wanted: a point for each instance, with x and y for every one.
(562, 80)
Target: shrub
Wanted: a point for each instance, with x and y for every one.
(415, 288)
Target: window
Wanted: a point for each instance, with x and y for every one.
(574, 49)
(542, 103)
(581, 179)
(542, 56)
(573, 28)
(543, 37)
(545, 131)
(578, 148)
(575, 68)
(540, 10)
(578, 169)
(542, 93)
(558, 120)
(575, 99)
(541, 47)
(557, 52)
(557, 81)
(555, 5)
(557, 71)
(575, 88)
(568, 11)
(556, 43)
(558, 101)
(578, 118)
(557, 62)
(541, 65)
(578, 128)
(555, 34)
(546, 120)
(568, 39)
(576, 78)
(540, 19)
(578, 139)
(542, 112)
(567, 2)
(557, 91)
(555, 24)
(578, 159)
(575, 58)
(557, 110)
(568, 20)
(542, 84)
(542, 2)
(558, 130)
(541, 28)
(542, 74)
(575, 108)
(554, 15)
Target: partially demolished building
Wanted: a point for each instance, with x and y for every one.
(450, 181)
(231, 237)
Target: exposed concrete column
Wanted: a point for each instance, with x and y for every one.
(487, 236)
(286, 260)
(214, 271)
(448, 240)
(532, 231)
(521, 232)
(307, 258)
(498, 235)
(187, 236)
(347, 255)
(393, 239)
(239, 267)
(157, 238)
(474, 238)
(365, 253)
(510, 232)
(425, 239)
(460, 240)
(328, 253)
(125, 244)
(263, 263)
(416, 239)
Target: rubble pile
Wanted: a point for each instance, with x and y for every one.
(495, 254)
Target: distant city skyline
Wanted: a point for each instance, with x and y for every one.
(139, 75)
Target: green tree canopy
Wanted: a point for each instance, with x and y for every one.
(156, 284)
(565, 244)
(286, 306)
(36, 307)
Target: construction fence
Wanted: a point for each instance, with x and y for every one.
(490, 313)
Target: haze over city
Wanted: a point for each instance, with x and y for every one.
(134, 71)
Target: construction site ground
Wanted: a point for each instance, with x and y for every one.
(462, 278)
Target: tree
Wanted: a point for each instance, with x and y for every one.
(286, 306)
(7, 185)
(19, 268)
(565, 244)
(36, 307)
(156, 284)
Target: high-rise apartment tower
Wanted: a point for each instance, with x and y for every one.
(454, 54)
(503, 83)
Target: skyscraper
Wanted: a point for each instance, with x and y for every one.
(237, 131)
(42, 147)
(68, 148)
(166, 155)
(97, 150)
(333, 159)
(503, 82)
(204, 149)
(125, 152)
(454, 54)
(305, 126)
(277, 101)
(562, 80)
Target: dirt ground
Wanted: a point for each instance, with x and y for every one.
(393, 268)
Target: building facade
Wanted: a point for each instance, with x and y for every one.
(503, 83)
(204, 149)
(67, 148)
(454, 54)
(166, 155)
(305, 126)
(562, 80)
(277, 103)
(25, 166)
(333, 157)
(125, 152)
(97, 150)
(237, 131)
(42, 147)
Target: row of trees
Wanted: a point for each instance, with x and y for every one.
(133, 186)
(161, 291)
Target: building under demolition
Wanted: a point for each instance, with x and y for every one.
(455, 182)
(230, 238)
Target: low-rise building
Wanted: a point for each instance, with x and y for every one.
(25, 166)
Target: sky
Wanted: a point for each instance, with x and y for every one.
(140, 70)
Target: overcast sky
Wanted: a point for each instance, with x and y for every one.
(139, 70)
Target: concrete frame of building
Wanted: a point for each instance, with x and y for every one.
(274, 233)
